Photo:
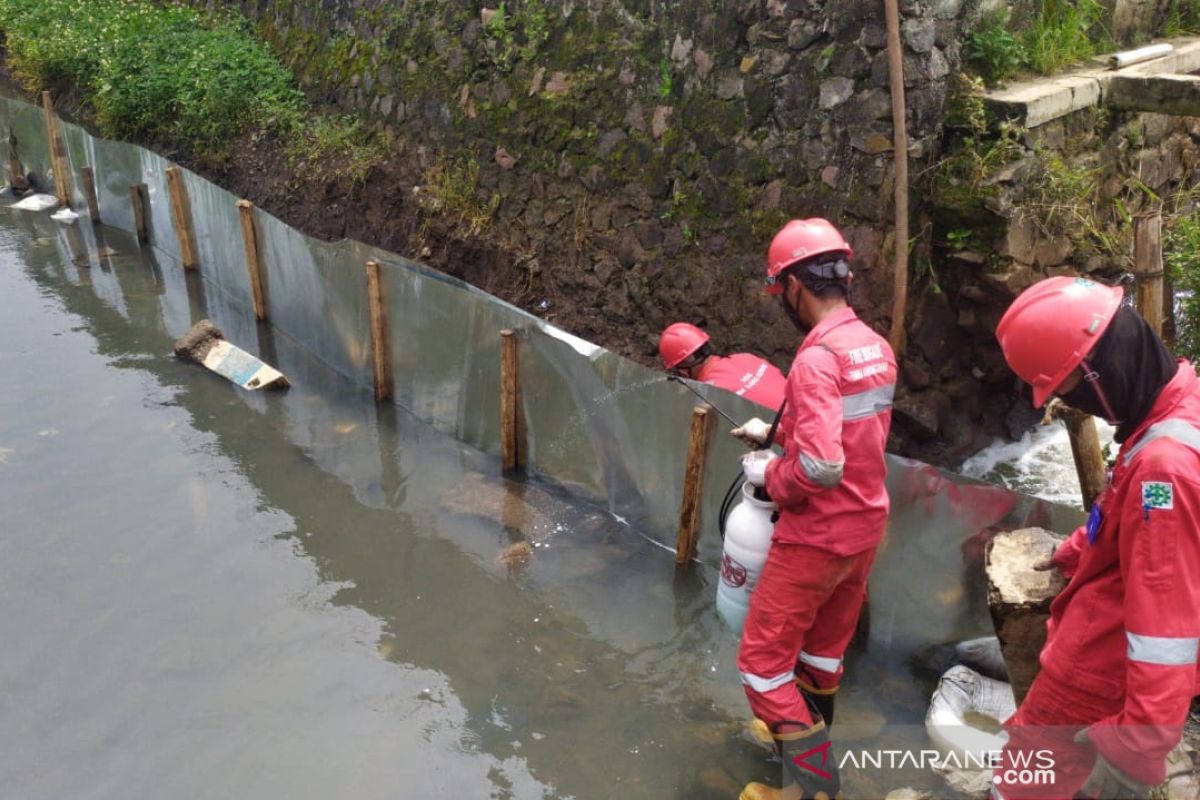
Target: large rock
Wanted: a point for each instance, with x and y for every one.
(1019, 598)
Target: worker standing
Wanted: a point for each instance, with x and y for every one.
(685, 351)
(833, 505)
(1118, 670)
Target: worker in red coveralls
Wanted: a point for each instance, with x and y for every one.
(1118, 670)
(833, 506)
(685, 351)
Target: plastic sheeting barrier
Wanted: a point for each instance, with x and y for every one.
(598, 423)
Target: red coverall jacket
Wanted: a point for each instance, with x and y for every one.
(747, 376)
(829, 483)
(1128, 623)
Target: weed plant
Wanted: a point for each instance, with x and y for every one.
(170, 74)
(1181, 252)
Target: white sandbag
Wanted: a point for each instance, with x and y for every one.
(37, 202)
(64, 215)
(964, 705)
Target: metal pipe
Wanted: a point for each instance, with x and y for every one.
(1125, 59)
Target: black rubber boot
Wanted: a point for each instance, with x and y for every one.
(820, 701)
(809, 759)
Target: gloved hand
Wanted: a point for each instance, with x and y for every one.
(754, 466)
(1108, 781)
(753, 432)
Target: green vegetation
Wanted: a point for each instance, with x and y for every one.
(1183, 17)
(171, 74)
(1181, 252)
(1051, 36)
(993, 49)
(453, 190)
(1064, 32)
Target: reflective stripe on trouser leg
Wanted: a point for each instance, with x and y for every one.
(797, 582)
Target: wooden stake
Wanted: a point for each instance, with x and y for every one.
(693, 487)
(511, 456)
(137, 196)
(895, 56)
(1085, 448)
(14, 163)
(89, 189)
(380, 346)
(1148, 266)
(58, 153)
(182, 214)
(253, 264)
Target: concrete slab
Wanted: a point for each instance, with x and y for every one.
(1172, 90)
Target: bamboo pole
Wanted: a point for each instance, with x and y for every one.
(380, 346)
(137, 196)
(511, 457)
(181, 213)
(253, 261)
(89, 189)
(58, 153)
(1148, 267)
(693, 487)
(1085, 449)
(900, 156)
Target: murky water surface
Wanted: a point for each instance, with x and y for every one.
(209, 593)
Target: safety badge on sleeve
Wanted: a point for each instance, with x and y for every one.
(1158, 494)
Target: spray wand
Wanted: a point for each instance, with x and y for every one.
(709, 403)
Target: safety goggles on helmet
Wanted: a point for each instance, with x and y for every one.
(831, 270)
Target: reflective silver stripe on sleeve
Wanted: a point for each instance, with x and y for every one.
(823, 473)
(1175, 429)
(823, 663)
(1170, 651)
(763, 685)
(868, 403)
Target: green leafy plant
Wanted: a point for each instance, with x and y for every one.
(666, 79)
(958, 239)
(994, 50)
(166, 72)
(1181, 253)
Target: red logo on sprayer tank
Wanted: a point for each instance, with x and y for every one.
(733, 574)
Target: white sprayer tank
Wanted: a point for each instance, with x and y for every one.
(747, 540)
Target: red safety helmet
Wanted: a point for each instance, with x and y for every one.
(678, 341)
(798, 240)
(1052, 326)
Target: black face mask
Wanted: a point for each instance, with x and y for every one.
(1131, 366)
(1084, 398)
(794, 315)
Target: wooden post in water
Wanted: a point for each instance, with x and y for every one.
(1148, 267)
(89, 189)
(380, 347)
(58, 153)
(14, 163)
(253, 263)
(693, 487)
(1085, 448)
(182, 214)
(511, 455)
(137, 196)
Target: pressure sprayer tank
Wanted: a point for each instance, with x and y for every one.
(747, 541)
